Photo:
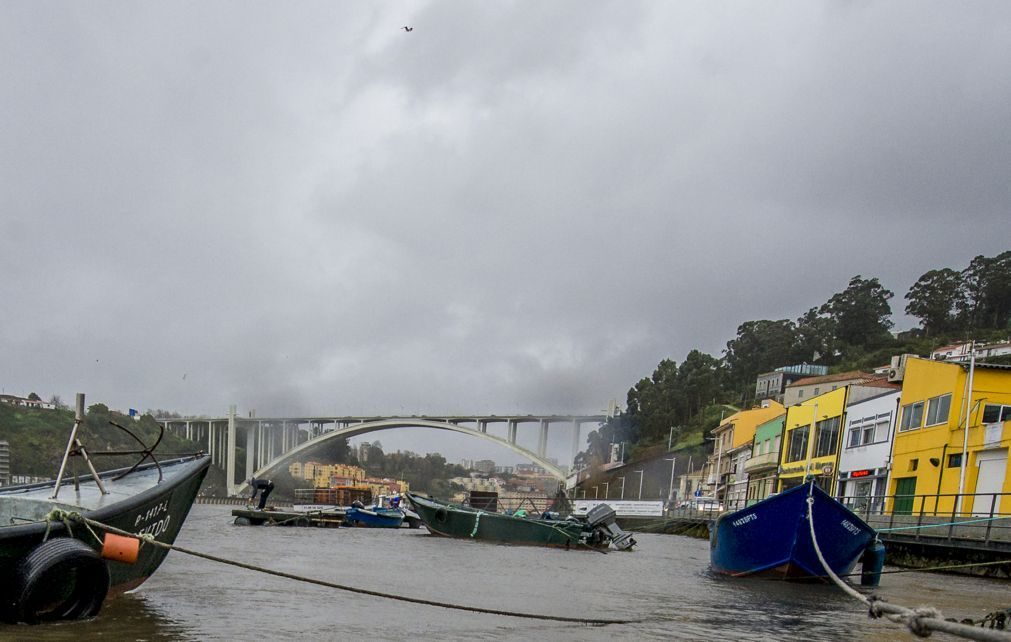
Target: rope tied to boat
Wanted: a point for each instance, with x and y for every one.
(352, 589)
(477, 520)
(921, 621)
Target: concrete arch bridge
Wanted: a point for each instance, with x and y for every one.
(271, 443)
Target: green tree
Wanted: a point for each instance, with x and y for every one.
(936, 299)
(816, 342)
(699, 382)
(987, 292)
(760, 346)
(860, 313)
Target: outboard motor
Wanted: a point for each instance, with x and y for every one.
(601, 519)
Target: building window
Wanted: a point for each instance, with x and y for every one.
(914, 464)
(912, 416)
(955, 461)
(798, 444)
(992, 413)
(937, 409)
(817, 390)
(869, 430)
(800, 392)
(827, 432)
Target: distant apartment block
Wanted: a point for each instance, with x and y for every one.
(771, 385)
(14, 400)
(5, 463)
(804, 389)
(961, 352)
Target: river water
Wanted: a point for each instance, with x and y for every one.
(664, 586)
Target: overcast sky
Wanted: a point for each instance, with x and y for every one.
(517, 207)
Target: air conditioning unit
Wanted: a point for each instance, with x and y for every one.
(897, 371)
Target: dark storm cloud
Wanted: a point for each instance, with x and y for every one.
(516, 207)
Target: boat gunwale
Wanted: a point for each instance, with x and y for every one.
(192, 466)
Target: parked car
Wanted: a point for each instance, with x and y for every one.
(703, 504)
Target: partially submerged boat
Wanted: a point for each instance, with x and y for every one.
(52, 564)
(772, 538)
(596, 530)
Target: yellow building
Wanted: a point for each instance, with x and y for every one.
(811, 440)
(928, 467)
(324, 475)
(734, 437)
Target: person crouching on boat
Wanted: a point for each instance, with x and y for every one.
(258, 485)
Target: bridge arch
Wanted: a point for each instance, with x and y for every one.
(387, 424)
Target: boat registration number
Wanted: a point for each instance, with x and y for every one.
(154, 521)
(741, 521)
(850, 526)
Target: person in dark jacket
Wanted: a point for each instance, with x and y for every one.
(264, 487)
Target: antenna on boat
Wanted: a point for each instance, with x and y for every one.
(74, 447)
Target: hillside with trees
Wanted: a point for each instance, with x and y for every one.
(680, 403)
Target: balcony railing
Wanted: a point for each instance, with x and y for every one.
(761, 462)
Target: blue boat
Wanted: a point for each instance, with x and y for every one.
(773, 538)
(373, 517)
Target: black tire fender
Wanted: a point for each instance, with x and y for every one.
(441, 514)
(60, 579)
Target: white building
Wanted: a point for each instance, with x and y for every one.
(867, 442)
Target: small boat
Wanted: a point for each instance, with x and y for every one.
(373, 517)
(773, 538)
(596, 530)
(53, 567)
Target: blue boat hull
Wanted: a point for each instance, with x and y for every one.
(773, 538)
(374, 518)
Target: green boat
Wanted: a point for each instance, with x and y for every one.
(596, 530)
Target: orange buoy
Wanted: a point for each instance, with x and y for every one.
(119, 548)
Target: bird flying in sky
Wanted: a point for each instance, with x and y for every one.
(405, 28)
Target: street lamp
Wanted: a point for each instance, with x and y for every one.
(670, 438)
(622, 487)
(670, 492)
(640, 482)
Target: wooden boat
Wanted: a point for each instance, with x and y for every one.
(53, 570)
(773, 538)
(597, 530)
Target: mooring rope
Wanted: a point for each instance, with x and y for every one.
(921, 621)
(149, 539)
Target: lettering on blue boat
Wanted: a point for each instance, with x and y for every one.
(741, 521)
(851, 527)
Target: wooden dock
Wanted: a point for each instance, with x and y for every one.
(318, 519)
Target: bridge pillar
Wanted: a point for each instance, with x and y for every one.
(230, 452)
(542, 443)
(576, 425)
(251, 463)
(482, 426)
(512, 431)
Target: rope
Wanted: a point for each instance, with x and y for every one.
(477, 520)
(921, 621)
(342, 587)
